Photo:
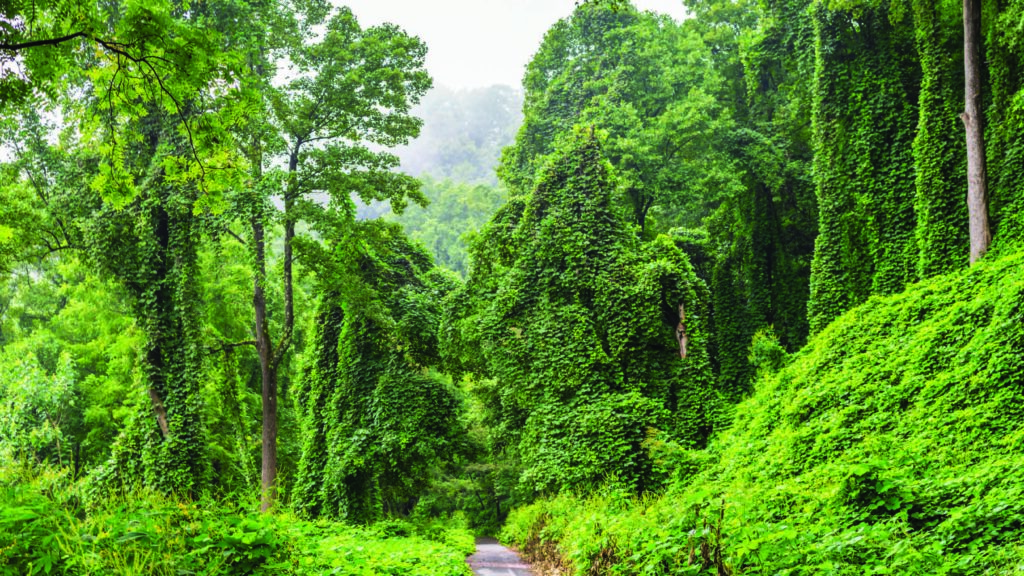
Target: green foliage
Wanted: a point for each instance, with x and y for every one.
(132, 60)
(455, 212)
(887, 112)
(150, 247)
(613, 532)
(761, 236)
(766, 355)
(864, 123)
(45, 530)
(651, 84)
(374, 421)
(349, 102)
(940, 151)
(576, 320)
(887, 445)
(732, 327)
(34, 409)
(804, 156)
(1004, 119)
(60, 309)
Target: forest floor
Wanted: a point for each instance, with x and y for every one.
(493, 559)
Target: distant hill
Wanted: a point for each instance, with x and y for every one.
(455, 156)
(463, 133)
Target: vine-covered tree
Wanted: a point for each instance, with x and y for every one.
(374, 419)
(150, 246)
(331, 126)
(582, 326)
(651, 84)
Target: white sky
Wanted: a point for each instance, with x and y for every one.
(477, 43)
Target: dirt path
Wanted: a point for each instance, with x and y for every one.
(493, 559)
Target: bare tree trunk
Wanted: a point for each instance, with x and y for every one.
(289, 234)
(265, 349)
(270, 357)
(977, 195)
(160, 411)
(681, 336)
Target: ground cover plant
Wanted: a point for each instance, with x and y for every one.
(49, 526)
(890, 444)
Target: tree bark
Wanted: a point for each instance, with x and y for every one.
(977, 194)
(289, 235)
(681, 336)
(271, 356)
(160, 411)
(265, 349)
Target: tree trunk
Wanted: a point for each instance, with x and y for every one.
(270, 357)
(289, 234)
(160, 411)
(977, 195)
(265, 349)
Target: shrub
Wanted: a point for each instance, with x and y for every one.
(45, 529)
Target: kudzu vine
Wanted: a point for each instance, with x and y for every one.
(577, 320)
(150, 247)
(374, 418)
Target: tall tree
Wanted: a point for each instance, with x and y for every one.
(977, 192)
(374, 421)
(349, 101)
(157, 76)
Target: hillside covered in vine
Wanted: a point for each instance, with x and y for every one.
(735, 293)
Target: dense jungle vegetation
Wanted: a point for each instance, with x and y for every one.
(738, 294)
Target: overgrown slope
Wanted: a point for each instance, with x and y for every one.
(893, 443)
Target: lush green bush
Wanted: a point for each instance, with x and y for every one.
(46, 529)
(33, 408)
(891, 444)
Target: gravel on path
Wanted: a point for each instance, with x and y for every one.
(493, 559)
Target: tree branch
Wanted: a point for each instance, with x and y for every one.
(46, 42)
(282, 347)
(116, 48)
(236, 236)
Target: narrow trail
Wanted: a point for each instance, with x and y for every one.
(493, 559)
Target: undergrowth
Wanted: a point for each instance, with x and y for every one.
(893, 443)
(46, 528)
